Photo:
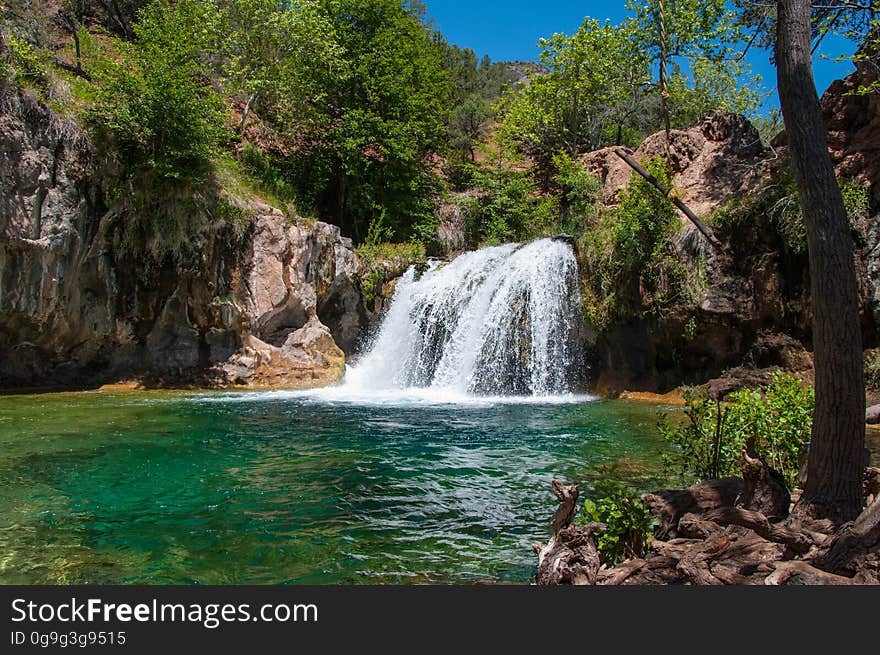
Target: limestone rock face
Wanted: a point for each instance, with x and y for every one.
(275, 302)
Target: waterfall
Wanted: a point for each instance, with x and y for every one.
(497, 321)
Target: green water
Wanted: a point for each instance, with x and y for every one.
(210, 488)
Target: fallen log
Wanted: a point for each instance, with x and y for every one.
(802, 573)
(695, 527)
(619, 574)
(666, 191)
(694, 565)
(855, 550)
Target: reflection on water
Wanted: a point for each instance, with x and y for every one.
(215, 488)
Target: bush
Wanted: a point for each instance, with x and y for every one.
(153, 100)
(778, 199)
(23, 64)
(385, 261)
(709, 442)
(509, 208)
(630, 524)
(644, 220)
(578, 190)
(626, 257)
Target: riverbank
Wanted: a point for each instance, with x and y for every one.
(721, 532)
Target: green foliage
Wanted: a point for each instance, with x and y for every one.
(644, 220)
(595, 80)
(163, 217)
(270, 182)
(779, 200)
(856, 200)
(23, 64)
(153, 101)
(251, 177)
(475, 87)
(507, 208)
(630, 524)
(626, 257)
(769, 126)
(714, 84)
(778, 418)
(872, 370)
(280, 59)
(693, 28)
(578, 190)
(868, 55)
(386, 261)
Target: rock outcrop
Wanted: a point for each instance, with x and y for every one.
(258, 300)
(747, 310)
(709, 163)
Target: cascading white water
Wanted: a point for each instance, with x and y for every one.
(502, 320)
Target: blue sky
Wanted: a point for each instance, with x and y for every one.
(509, 30)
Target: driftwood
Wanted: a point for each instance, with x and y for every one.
(571, 555)
(694, 564)
(565, 513)
(758, 523)
(855, 549)
(801, 573)
(662, 188)
(711, 538)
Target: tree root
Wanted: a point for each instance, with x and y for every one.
(713, 541)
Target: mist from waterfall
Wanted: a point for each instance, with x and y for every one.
(494, 322)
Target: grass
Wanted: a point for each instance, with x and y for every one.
(233, 178)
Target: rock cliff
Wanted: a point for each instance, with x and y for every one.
(749, 308)
(261, 299)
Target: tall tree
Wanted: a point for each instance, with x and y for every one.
(593, 78)
(835, 463)
(693, 30)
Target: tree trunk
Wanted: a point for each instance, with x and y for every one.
(247, 111)
(835, 463)
(664, 82)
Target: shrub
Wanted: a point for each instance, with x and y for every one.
(626, 257)
(509, 208)
(578, 190)
(385, 261)
(153, 100)
(872, 370)
(22, 63)
(644, 220)
(630, 524)
(709, 442)
(778, 199)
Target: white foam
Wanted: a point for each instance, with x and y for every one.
(494, 321)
